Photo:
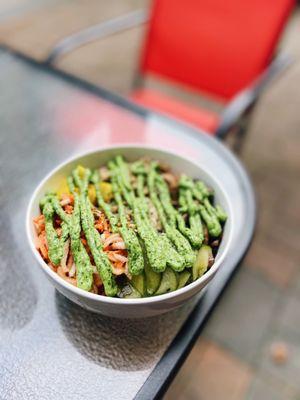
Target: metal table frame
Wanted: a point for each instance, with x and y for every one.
(164, 372)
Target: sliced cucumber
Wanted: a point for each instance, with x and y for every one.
(168, 282)
(201, 264)
(152, 279)
(138, 282)
(183, 278)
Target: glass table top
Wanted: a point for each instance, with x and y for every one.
(49, 347)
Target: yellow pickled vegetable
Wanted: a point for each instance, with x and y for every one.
(80, 170)
(106, 190)
(92, 194)
(63, 188)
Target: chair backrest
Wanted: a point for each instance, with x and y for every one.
(215, 46)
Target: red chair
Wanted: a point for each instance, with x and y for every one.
(222, 49)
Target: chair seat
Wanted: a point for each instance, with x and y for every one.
(201, 118)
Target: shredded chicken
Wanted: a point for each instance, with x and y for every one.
(120, 257)
(164, 167)
(70, 261)
(72, 270)
(127, 271)
(97, 212)
(211, 260)
(114, 238)
(118, 245)
(61, 273)
(65, 201)
(39, 223)
(215, 243)
(171, 179)
(104, 173)
(114, 256)
(43, 245)
(118, 269)
(206, 235)
(68, 209)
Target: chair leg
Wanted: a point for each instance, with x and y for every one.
(138, 81)
(240, 136)
(242, 129)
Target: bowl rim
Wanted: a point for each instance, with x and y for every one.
(204, 279)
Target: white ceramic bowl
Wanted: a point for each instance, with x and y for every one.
(129, 308)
